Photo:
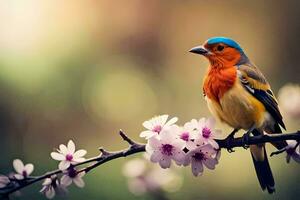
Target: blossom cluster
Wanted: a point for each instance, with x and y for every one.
(192, 144)
(51, 185)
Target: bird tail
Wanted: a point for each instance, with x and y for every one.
(262, 168)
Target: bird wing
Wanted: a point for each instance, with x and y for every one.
(256, 84)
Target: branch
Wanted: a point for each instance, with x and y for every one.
(104, 157)
(241, 142)
(135, 147)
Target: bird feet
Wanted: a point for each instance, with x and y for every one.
(245, 140)
(229, 140)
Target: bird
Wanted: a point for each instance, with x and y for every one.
(238, 94)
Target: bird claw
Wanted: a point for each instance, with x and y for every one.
(245, 140)
(229, 139)
(230, 150)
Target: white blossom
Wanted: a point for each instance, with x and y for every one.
(23, 171)
(67, 155)
(156, 125)
(48, 187)
(289, 100)
(72, 176)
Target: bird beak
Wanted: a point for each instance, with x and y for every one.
(199, 50)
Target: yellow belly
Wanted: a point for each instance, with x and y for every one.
(238, 108)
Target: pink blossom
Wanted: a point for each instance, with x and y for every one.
(156, 125)
(292, 152)
(185, 133)
(166, 148)
(201, 156)
(143, 178)
(4, 180)
(206, 132)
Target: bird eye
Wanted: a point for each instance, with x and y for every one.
(220, 48)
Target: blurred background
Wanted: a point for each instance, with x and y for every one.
(84, 69)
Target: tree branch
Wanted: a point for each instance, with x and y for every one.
(135, 147)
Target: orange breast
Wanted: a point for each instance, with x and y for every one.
(218, 81)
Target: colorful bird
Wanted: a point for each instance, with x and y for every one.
(238, 94)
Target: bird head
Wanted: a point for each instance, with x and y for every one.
(221, 52)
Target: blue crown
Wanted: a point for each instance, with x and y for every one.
(226, 41)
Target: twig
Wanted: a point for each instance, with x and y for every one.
(135, 147)
(288, 150)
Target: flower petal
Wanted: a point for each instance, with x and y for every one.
(79, 153)
(78, 182)
(81, 174)
(4, 180)
(197, 167)
(167, 137)
(213, 143)
(29, 168)
(147, 134)
(156, 156)
(19, 176)
(65, 180)
(50, 193)
(162, 119)
(208, 149)
(210, 163)
(18, 165)
(57, 156)
(71, 147)
(63, 149)
(186, 161)
(179, 157)
(147, 125)
(201, 123)
(63, 165)
(165, 162)
(77, 160)
(47, 182)
(154, 143)
(171, 121)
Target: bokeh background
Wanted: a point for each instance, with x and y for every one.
(84, 69)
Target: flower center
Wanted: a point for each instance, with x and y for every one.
(72, 173)
(206, 132)
(69, 157)
(167, 149)
(185, 136)
(199, 156)
(157, 128)
(24, 173)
